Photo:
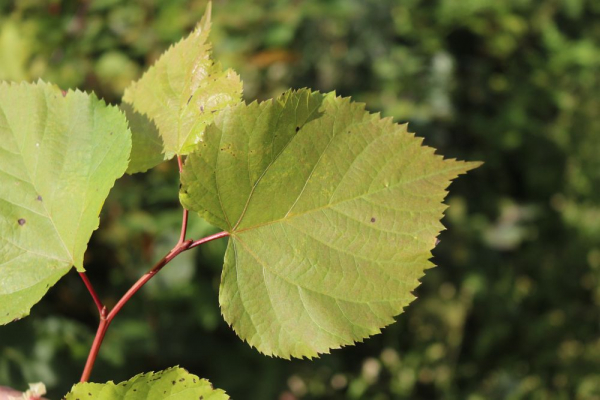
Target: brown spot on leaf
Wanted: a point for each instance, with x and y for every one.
(373, 219)
(39, 198)
(297, 128)
(21, 221)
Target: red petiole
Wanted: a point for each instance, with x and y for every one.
(106, 316)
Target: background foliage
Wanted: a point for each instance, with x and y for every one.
(514, 311)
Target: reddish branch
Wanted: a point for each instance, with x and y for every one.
(90, 289)
(208, 239)
(106, 317)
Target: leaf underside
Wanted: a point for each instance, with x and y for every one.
(59, 157)
(332, 214)
(183, 91)
(173, 383)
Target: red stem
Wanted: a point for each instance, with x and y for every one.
(209, 238)
(106, 318)
(147, 276)
(89, 364)
(90, 289)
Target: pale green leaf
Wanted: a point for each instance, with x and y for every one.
(59, 157)
(183, 90)
(146, 143)
(173, 383)
(332, 213)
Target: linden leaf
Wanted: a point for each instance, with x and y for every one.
(173, 383)
(59, 157)
(332, 214)
(183, 90)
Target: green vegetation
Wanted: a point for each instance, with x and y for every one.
(515, 310)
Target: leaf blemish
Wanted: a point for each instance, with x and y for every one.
(297, 128)
(39, 198)
(373, 219)
(21, 221)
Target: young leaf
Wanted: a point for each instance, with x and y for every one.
(59, 157)
(332, 214)
(173, 383)
(183, 90)
(146, 143)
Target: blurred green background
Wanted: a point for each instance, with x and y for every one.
(513, 312)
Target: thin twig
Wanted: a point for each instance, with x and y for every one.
(147, 276)
(209, 238)
(107, 317)
(100, 333)
(90, 289)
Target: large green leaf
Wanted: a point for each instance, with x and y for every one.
(183, 90)
(173, 383)
(59, 157)
(332, 213)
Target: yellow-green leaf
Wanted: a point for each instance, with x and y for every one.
(332, 214)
